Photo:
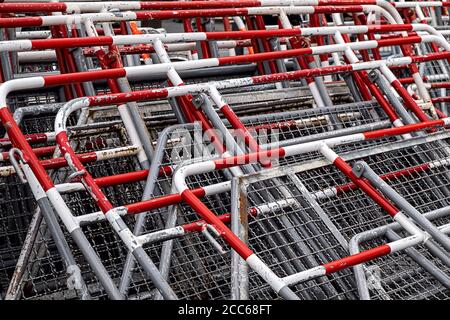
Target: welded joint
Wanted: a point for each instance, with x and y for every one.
(76, 176)
(205, 230)
(117, 223)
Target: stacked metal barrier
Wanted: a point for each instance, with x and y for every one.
(267, 149)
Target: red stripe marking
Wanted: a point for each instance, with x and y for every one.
(129, 177)
(399, 41)
(160, 202)
(346, 2)
(117, 98)
(221, 35)
(70, 42)
(357, 259)
(390, 28)
(164, 15)
(338, 9)
(301, 74)
(30, 138)
(239, 246)
(32, 7)
(366, 187)
(20, 22)
(158, 5)
(100, 199)
(402, 130)
(18, 140)
(409, 101)
(83, 76)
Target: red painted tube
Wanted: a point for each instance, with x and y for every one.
(238, 125)
(204, 13)
(166, 5)
(130, 177)
(19, 141)
(188, 28)
(255, 45)
(140, 49)
(388, 176)
(227, 24)
(33, 138)
(404, 129)
(409, 101)
(294, 75)
(71, 65)
(435, 85)
(39, 152)
(338, 9)
(54, 80)
(356, 259)
(20, 22)
(319, 40)
(160, 202)
(56, 163)
(100, 199)
(431, 56)
(259, 21)
(367, 88)
(440, 100)
(119, 98)
(206, 52)
(236, 243)
(345, 168)
(56, 32)
(364, 53)
(398, 41)
(41, 44)
(32, 7)
(181, 5)
(384, 104)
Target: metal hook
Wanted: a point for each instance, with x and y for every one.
(15, 163)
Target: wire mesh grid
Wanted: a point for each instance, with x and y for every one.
(16, 208)
(17, 204)
(350, 212)
(294, 124)
(107, 244)
(290, 239)
(197, 270)
(194, 258)
(398, 277)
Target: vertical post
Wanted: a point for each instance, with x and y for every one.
(239, 226)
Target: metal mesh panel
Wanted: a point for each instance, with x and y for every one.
(398, 277)
(291, 239)
(351, 212)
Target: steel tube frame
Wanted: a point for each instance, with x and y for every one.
(411, 60)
